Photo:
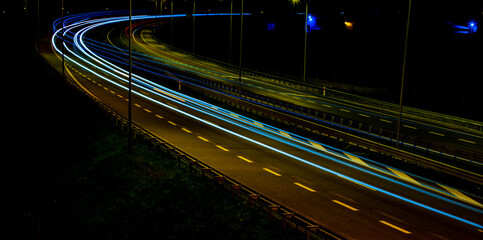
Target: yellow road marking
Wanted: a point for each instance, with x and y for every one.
(395, 227)
(317, 146)
(468, 141)
(305, 187)
(272, 172)
(106, 88)
(186, 130)
(435, 133)
(461, 196)
(364, 115)
(409, 126)
(404, 176)
(258, 124)
(345, 205)
(344, 110)
(356, 159)
(384, 120)
(244, 159)
(204, 139)
(222, 148)
(147, 110)
(285, 134)
(172, 123)
(325, 105)
(137, 105)
(159, 116)
(120, 96)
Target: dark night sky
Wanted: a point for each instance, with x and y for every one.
(443, 72)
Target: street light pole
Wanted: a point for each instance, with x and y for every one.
(305, 43)
(194, 24)
(241, 44)
(130, 133)
(63, 29)
(231, 30)
(402, 78)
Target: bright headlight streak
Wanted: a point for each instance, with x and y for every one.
(294, 157)
(279, 139)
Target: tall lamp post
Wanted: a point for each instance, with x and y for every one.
(130, 133)
(241, 45)
(63, 29)
(402, 77)
(295, 2)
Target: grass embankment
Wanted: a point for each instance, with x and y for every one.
(69, 175)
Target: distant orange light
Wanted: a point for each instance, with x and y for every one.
(349, 25)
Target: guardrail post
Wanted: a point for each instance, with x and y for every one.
(286, 216)
(252, 197)
(311, 228)
(235, 187)
(272, 208)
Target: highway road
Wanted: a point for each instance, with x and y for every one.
(166, 56)
(325, 184)
(157, 56)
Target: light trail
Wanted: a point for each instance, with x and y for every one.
(119, 73)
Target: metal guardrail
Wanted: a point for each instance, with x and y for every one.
(444, 120)
(289, 217)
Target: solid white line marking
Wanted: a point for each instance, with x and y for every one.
(345, 205)
(272, 172)
(304, 187)
(395, 227)
(244, 159)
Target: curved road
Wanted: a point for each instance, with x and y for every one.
(319, 182)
